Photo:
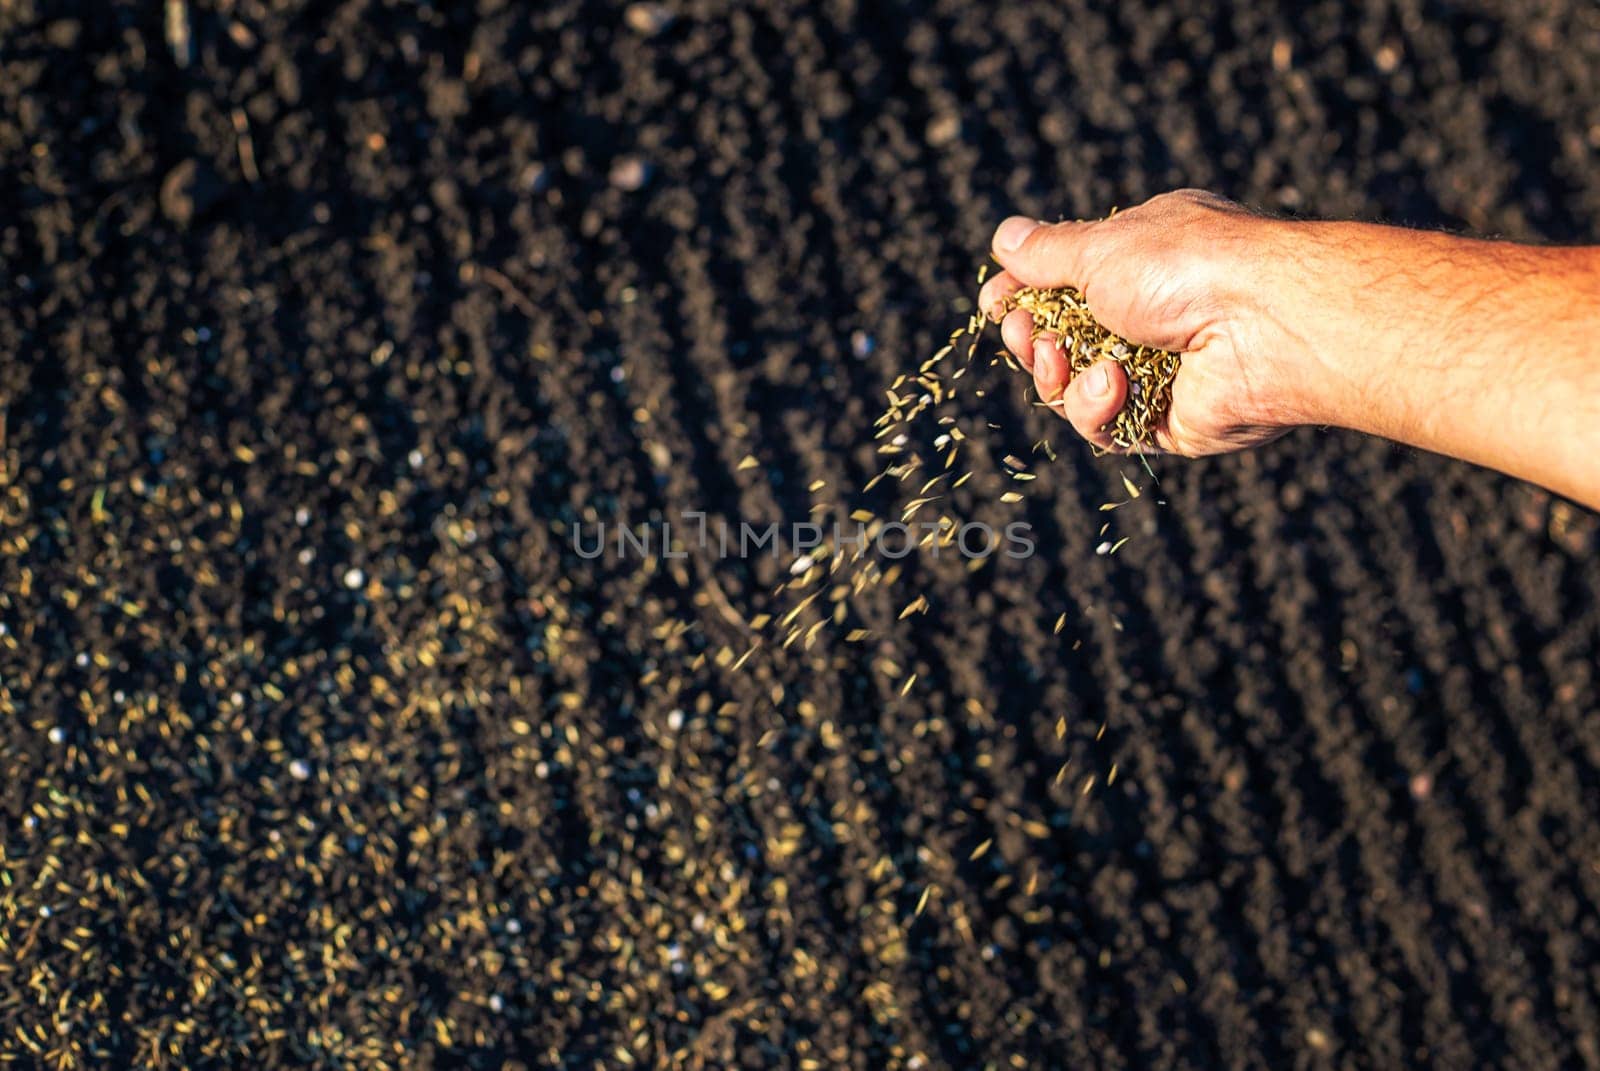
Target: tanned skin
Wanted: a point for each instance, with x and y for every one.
(1486, 351)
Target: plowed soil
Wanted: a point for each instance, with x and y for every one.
(322, 326)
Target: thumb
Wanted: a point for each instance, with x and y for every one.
(1043, 254)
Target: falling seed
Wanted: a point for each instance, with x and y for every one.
(1133, 492)
(1061, 623)
(906, 687)
(749, 462)
(980, 850)
(922, 901)
(919, 605)
(1011, 496)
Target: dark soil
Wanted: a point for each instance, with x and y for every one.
(321, 745)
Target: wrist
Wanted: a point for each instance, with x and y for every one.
(1303, 307)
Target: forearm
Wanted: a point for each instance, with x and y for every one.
(1485, 351)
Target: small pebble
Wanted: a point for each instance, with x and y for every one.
(862, 344)
(629, 173)
(299, 769)
(354, 578)
(647, 19)
(58, 735)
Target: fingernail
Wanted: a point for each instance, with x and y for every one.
(1099, 384)
(1013, 232)
(1045, 369)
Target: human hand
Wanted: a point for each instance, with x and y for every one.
(1180, 272)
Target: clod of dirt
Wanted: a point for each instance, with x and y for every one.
(943, 130)
(189, 191)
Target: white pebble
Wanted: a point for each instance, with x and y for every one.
(647, 19)
(354, 578)
(802, 564)
(299, 769)
(675, 720)
(629, 173)
(302, 516)
(58, 735)
(1103, 548)
(496, 1004)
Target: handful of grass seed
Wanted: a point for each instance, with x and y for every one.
(1060, 311)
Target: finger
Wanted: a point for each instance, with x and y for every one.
(1094, 399)
(1016, 330)
(1044, 254)
(993, 294)
(1050, 374)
